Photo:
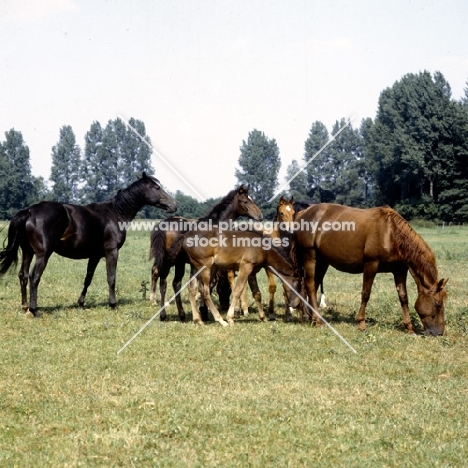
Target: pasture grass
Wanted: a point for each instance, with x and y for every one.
(256, 394)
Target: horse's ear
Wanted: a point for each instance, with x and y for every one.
(441, 284)
(291, 201)
(282, 200)
(144, 176)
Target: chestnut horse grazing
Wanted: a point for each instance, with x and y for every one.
(91, 231)
(370, 241)
(244, 251)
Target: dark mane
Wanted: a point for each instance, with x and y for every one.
(126, 199)
(215, 213)
(412, 248)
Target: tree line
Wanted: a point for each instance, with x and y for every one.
(413, 156)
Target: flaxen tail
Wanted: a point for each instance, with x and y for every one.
(16, 231)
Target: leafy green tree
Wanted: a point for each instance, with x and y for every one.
(464, 99)
(337, 173)
(66, 164)
(260, 163)
(316, 179)
(453, 198)
(188, 206)
(16, 180)
(113, 158)
(135, 153)
(298, 185)
(93, 189)
(412, 140)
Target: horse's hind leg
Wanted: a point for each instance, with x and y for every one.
(23, 276)
(92, 264)
(237, 291)
(370, 270)
(176, 284)
(272, 292)
(257, 295)
(154, 282)
(38, 269)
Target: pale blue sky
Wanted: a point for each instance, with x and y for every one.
(202, 74)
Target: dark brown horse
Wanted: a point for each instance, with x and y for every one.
(236, 203)
(91, 231)
(371, 241)
(244, 251)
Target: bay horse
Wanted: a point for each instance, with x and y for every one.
(90, 231)
(371, 241)
(236, 203)
(243, 251)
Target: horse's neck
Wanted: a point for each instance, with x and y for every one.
(127, 206)
(227, 213)
(281, 265)
(423, 278)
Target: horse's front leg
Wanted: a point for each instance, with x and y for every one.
(370, 270)
(400, 276)
(92, 264)
(311, 286)
(111, 266)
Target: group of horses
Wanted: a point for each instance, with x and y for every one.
(381, 241)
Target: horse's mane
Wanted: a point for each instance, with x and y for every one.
(412, 248)
(129, 199)
(216, 212)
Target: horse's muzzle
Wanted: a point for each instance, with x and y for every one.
(434, 332)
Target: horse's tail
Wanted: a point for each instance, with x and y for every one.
(9, 254)
(176, 249)
(158, 247)
(295, 258)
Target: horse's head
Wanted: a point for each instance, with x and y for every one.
(430, 305)
(285, 213)
(156, 196)
(293, 290)
(245, 206)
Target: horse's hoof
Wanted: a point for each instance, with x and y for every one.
(162, 318)
(198, 322)
(226, 324)
(33, 313)
(362, 326)
(113, 306)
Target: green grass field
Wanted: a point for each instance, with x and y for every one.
(253, 395)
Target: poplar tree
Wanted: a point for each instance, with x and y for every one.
(66, 165)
